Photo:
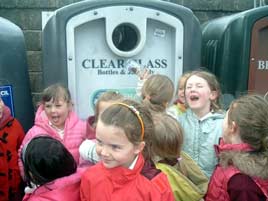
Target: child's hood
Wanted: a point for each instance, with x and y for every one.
(6, 116)
(241, 157)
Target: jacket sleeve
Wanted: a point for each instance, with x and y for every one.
(28, 137)
(88, 152)
(20, 133)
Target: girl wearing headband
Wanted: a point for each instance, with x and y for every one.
(125, 170)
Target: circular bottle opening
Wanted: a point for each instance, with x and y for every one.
(125, 37)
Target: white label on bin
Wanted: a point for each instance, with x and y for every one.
(160, 33)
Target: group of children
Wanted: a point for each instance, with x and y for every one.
(145, 150)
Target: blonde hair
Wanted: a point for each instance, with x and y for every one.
(213, 85)
(184, 77)
(157, 92)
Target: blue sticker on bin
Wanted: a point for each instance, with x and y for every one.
(7, 97)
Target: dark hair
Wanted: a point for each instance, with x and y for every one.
(55, 92)
(126, 119)
(46, 159)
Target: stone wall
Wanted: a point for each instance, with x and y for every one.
(27, 15)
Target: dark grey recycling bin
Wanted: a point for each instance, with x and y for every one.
(86, 45)
(14, 78)
(235, 48)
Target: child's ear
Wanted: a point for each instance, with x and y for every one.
(70, 105)
(233, 127)
(139, 147)
(213, 95)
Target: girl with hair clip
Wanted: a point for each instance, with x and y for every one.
(185, 177)
(51, 169)
(56, 118)
(242, 173)
(203, 119)
(123, 136)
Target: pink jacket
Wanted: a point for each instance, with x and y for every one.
(74, 133)
(62, 189)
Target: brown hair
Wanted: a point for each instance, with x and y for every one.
(168, 138)
(185, 77)
(107, 96)
(55, 92)
(213, 85)
(123, 117)
(157, 92)
(250, 113)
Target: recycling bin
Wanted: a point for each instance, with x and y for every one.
(235, 48)
(14, 79)
(86, 46)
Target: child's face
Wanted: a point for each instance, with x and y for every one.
(198, 94)
(113, 146)
(57, 112)
(1, 107)
(226, 129)
(181, 90)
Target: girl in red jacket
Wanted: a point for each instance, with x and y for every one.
(51, 169)
(11, 136)
(125, 171)
(242, 173)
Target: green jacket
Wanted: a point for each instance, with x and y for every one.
(190, 186)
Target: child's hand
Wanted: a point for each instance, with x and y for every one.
(144, 74)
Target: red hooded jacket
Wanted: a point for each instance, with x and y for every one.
(218, 186)
(11, 137)
(117, 184)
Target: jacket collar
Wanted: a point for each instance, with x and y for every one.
(121, 175)
(222, 146)
(244, 158)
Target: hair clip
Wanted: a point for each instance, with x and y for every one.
(137, 113)
(179, 159)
